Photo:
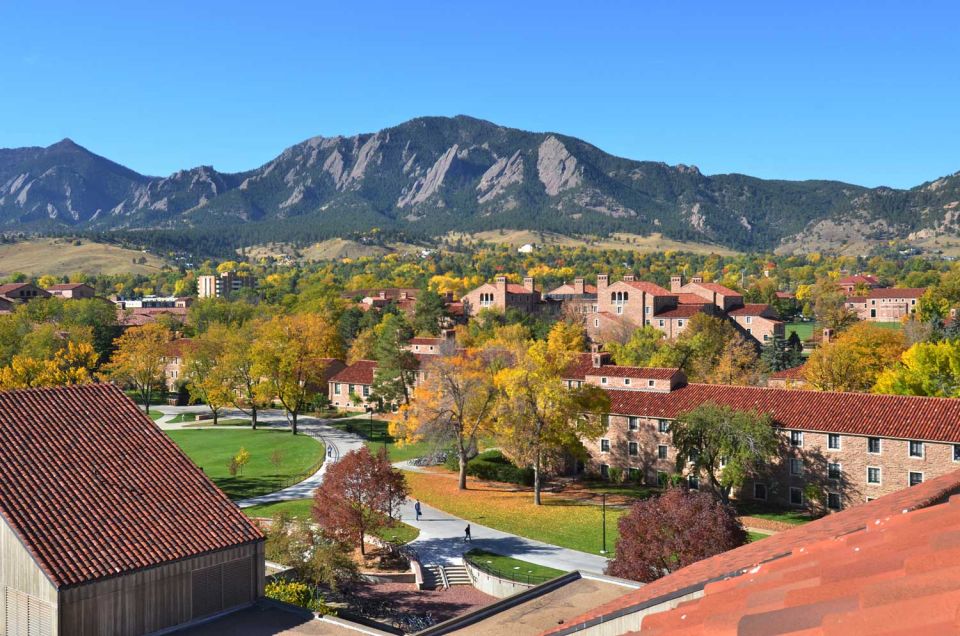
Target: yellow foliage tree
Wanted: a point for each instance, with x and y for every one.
(208, 378)
(139, 360)
(855, 359)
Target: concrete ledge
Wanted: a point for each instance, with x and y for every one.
(494, 585)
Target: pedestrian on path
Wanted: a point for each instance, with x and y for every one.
(466, 535)
(416, 509)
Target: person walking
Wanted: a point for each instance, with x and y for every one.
(466, 534)
(416, 509)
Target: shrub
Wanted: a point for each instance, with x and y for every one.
(297, 593)
(616, 474)
(493, 466)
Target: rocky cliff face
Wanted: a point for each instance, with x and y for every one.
(432, 175)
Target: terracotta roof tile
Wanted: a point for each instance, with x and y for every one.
(94, 489)
(897, 292)
(686, 298)
(683, 311)
(360, 372)
(898, 416)
(837, 573)
(614, 371)
(648, 287)
(582, 365)
(753, 309)
(859, 278)
(720, 289)
(793, 373)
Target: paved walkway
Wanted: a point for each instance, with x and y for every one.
(441, 535)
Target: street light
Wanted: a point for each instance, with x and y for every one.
(603, 508)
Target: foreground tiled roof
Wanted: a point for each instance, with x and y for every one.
(897, 292)
(900, 574)
(897, 416)
(360, 372)
(814, 581)
(94, 489)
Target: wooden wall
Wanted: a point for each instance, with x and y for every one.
(19, 571)
(164, 596)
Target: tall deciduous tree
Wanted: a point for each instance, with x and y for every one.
(139, 360)
(639, 350)
(72, 364)
(289, 353)
(538, 416)
(250, 390)
(854, 360)
(926, 368)
(829, 306)
(723, 444)
(359, 495)
(663, 534)
(455, 403)
(208, 378)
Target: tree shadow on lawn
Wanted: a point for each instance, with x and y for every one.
(246, 487)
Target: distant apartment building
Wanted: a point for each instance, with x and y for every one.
(224, 284)
(502, 295)
(19, 293)
(858, 282)
(886, 304)
(405, 299)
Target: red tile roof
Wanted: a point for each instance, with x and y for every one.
(178, 347)
(6, 288)
(686, 298)
(793, 373)
(897, 292)
(582, 365)
(567, 288)
(94, 489)
(720, 289)
(360, 372)
(648, 287)
(513, 288)
(785, 295)
(753, 309)
(65, 286)
(682, 311)
(427, 341)
(857, 279)
(614, 371)
(897, 416)
(815, 563)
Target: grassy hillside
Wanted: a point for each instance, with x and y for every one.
(60, 257)
(620, 241)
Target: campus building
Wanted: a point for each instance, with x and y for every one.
(106, 527)
(852, 447)
(502, 295)
(886, 304)
(71, 290)
(224, 284)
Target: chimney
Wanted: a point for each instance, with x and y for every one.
(383, 294)
(500, 282)
(403, 295)
(602, 281)
(827, 335)
(597, 359)
(696, 279)
(577, 285)
(528, 283)
(676, 282)
(628, 278)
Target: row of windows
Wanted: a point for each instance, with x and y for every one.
(629, 382)
(874, 446)
(351, 388)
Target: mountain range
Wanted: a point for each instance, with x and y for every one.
(433, 175)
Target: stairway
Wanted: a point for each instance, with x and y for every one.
(457, 575)
(432, 577)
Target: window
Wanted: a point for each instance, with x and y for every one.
(633, 423)
(748, 320)
(619, 309)
(873, 445)
(603, 380)
(796, 497)
(915, 478)
(647, 309)
(660, 322)
(633, 448)
(873, 475)
(833, 501)
(651, 384)
(366, 390)
(626, 382)
(336, 388)
(664, 426)
(596, 322)
(604, 471)
(604, 446)
(833, 471)
(693, 482)
(796, 466)
(916, 449)
(760, 491)
(796, 438)
(680, 323)
(833, 441)
(634, 474)
(956, 452)
(661, 452)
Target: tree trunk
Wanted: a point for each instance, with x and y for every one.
(536, 480)
(363, 551)
(293, 419)
(146, 401)
(462, 484)
(216, 416)
(253, 416)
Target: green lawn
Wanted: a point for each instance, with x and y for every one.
(377, 436)
(512, 569)
(183, 417)
(301, 509)
(155, 415)
(233, 421)
(791, 516)
(756, 536)
(637, 491)
(212, 450)
(804, 329)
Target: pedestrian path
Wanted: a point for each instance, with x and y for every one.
(441, 539)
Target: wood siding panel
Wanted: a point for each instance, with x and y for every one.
(20, 572)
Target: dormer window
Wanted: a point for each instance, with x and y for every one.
(626, 382)
(651, 383)
(603, 380)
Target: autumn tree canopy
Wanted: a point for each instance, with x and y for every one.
(139, 360)
(662, 534)
(360, 494)
(855, 359)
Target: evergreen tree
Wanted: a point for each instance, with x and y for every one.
(396, 366)
(778, 354)
(428, 312)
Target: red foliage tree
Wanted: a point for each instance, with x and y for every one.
(665, 533)
(358, 496)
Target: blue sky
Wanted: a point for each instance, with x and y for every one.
(866, 92)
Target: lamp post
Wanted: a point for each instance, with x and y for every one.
(603, 508)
